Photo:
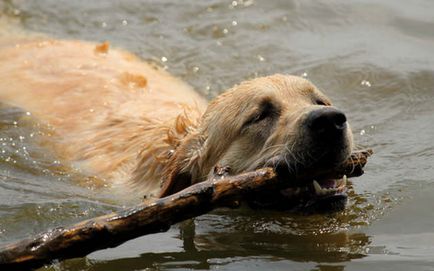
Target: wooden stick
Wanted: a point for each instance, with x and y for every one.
(353, 167)
(114, 229)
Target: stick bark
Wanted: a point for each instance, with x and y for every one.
(114, 229)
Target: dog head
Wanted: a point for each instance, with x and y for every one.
(280, 121)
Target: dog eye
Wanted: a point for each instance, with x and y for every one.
(260, 116)
(321, 102)
(267, 110)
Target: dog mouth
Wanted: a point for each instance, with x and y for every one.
(319, 188)
(316, 196)
(306, 193)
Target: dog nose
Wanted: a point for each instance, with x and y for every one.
(327, 120)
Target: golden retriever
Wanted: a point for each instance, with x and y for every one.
(127, 121)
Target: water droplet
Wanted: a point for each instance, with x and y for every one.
(362, 132)
(365, 83)
(124, 22)
(164, 59)
(195, 69)
(234, 23)
(28, 113)
(234, 3)
(261, 58)
(304, 75)
(225, 31)
(103, 24)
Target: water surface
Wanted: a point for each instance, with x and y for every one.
(375, 59)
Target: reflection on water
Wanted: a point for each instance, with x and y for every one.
(222, 248)
(373, 58)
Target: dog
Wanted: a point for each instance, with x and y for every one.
(131, 123)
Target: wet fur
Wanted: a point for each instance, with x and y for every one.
(128, 122)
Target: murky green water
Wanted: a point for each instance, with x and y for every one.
(375, 59)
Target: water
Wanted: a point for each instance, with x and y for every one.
(373, 58)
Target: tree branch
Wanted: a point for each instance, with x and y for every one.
(114, 229)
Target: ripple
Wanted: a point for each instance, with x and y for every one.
(373, 58)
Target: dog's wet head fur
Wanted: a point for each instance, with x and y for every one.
(280, 121)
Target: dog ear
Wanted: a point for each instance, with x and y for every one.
(184, 166)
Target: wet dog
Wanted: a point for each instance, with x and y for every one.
(129, 122)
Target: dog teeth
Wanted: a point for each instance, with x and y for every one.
(322, 191)
(342, 182)
(318, 189)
